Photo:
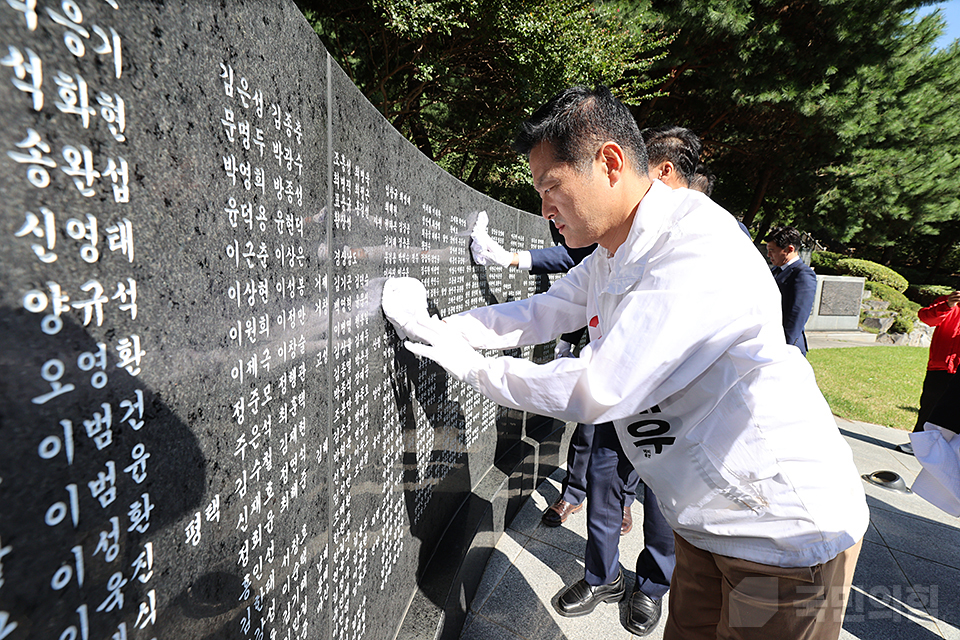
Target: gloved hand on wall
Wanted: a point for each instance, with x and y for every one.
(563, 349)
(444, 345)
(404, 302)
(486, 250)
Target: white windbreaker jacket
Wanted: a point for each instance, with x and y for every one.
(687, 359)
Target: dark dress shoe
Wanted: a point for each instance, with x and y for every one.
(627, 523)
(643, 613)
(557, 513)
(579, 599)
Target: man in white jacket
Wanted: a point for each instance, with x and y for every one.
(687, 364)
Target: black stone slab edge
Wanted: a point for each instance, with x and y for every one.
(456, 568)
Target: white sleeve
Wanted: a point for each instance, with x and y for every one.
(677, 321)
(534, 320)
(524, 260)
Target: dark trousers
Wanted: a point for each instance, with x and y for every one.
(608, 472)
(574, 487)
(935, 383)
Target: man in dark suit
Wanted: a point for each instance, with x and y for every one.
(797, 282)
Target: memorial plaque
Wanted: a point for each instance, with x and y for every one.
(209, 429)
(840, 298)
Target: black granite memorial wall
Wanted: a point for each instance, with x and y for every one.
(208, 428)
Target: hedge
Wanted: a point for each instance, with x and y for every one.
(898, 302)
(902, 324)
(825, 262)
(925, 294)
(873, 272)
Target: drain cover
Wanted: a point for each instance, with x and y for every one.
(888, 480)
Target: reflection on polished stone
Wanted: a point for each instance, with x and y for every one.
(210, 430)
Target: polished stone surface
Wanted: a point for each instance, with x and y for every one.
(210, 431)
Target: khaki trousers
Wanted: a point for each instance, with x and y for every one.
(719, 598)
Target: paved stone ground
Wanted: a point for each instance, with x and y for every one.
(905, 587)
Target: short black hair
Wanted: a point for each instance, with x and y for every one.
(676, 144)
(783, 237)
(577, 121)
(703, 180)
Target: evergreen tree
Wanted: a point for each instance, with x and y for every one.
(896, 183)
(456, 77)
(750, 77)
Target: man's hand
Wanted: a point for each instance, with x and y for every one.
(953, 299)
(445, 346)
(404, 302)
(563, 349)
(486, 251)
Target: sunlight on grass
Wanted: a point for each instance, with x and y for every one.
(872, 384)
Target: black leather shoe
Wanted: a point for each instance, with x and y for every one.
(557, 513)
(643, 613)
(579, 599)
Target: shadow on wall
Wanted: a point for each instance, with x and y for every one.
(96, 475)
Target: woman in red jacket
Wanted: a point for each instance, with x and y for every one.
(944, 314)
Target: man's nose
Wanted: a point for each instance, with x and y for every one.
(548, 211)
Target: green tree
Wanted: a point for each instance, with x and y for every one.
(896, 183)
(456, 77)
(750, 77)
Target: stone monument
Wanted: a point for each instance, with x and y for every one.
(209, 430)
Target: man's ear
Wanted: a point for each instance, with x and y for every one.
(613, 159)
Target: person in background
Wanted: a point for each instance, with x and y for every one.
(937, 448)
(797, 283)
(944, 314)
(714, 411)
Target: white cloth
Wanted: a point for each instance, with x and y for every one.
(404, 302)
(485, 250)
(687, 358)
(938, 450)
(563, 349)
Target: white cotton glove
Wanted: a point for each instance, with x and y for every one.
(404, 302)
(485, 249)
(445, 346)
(563, 349)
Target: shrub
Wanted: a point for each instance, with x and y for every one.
(825, 262)
(925, 294)
(898, 301)
(902, 324)
(873, 272)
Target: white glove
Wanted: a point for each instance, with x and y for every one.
(404, 302)
(449, 349)
(563, 349)
(486, 250)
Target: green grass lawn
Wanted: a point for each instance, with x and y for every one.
(872, 384)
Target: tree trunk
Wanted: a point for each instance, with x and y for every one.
(758, 196)
(420, 137)
(942, 253)
(765, 224)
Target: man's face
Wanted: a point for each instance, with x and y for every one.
(778, 256)
(574, 201)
